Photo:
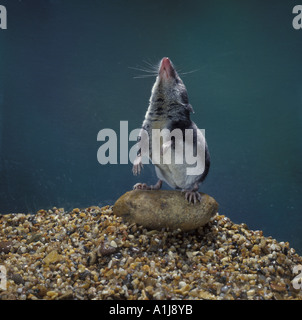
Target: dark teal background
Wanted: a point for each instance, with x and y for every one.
(65, 75)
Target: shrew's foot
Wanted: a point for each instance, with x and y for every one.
(144, 186)
(193, 196)
(141, 186)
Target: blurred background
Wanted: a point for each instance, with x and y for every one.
(66, 74)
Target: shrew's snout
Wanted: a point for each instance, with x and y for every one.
(166, 69)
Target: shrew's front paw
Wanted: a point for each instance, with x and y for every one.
(137, 166)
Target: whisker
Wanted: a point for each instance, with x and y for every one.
(144, 76)
(152, 70)
(185, 73)
(151, 65)
(143, 70)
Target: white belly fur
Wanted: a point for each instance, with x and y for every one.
(176, 175)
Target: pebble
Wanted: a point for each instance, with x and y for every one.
(52, 257)
(5, 246)
(91, 253)
(113, 244)
(17, 278)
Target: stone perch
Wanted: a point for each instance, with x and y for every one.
(159, 209)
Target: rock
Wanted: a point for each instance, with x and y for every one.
(41, 291)
(35, 237)
(278, 287)
(52, 294)
(52, 257)
(17, 278)
(5, 246)
(66, 296)
(159, 209)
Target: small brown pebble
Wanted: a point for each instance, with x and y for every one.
(52, 294)
(17, 278)
(256, 249)
(52, 257)
(92, 257)
(66, 296)
(5, 246)
(278, 287)
(105, 250)
(34, 238)
(32, 297)
(41, 291)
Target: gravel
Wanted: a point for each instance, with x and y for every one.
(92, 254)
